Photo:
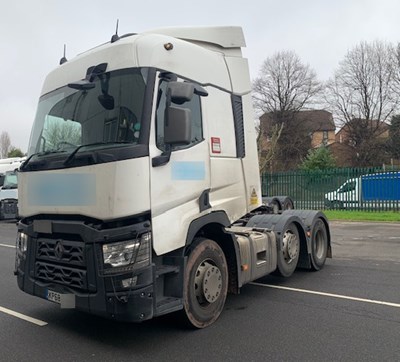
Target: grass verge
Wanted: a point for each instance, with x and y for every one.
(385, 216)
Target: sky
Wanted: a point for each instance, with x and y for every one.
(33, 34)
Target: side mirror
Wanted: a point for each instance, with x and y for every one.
(178, 128)
(181, 92)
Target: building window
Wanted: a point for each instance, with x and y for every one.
(325, 137)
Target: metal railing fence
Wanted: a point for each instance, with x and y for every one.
(343, 188)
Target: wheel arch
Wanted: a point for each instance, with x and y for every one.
(277, 223)
(212, 226)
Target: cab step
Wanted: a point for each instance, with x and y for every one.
(168, 305)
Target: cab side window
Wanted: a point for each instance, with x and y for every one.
(195, 109)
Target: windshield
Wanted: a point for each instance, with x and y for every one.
(10, 181)
(105, 115)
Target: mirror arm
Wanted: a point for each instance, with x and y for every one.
(200, 91)
(162, 159)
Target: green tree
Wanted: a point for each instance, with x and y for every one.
(15, 152)
(318, 159)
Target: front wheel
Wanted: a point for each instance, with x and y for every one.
(206, 284)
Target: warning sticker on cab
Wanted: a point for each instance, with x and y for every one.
(215, 145)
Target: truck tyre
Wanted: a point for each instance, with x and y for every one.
(288, 255)
(319, 245)
(275, 206)
(205, 284)
(288, 204)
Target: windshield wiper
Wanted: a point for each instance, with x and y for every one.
(9, 187)
(25, 163)
(70, 158)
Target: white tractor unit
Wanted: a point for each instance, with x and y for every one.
(141, 193)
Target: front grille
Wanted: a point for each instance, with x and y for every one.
(62, 262)
(61, 251)
(10, 207)
(71, 277)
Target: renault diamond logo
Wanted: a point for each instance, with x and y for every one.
(59, 250)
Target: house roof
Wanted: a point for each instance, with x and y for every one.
(317, 120)
(373, 124)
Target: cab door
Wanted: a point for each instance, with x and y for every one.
(179, 173)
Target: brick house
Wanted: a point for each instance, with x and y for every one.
(318, 123)
(377, 128)
(344, 148)
(304, 130)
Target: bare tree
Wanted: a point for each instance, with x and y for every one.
(396, 74)
(285, 86)
(5, 144)
(267, 147)
(60, 134)
(361, 95)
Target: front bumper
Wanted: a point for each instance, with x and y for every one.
(79, 275)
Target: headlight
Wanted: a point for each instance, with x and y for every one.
(22, 242)
(120, 254)
(129, 252)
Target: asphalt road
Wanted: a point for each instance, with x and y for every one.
(348, 311)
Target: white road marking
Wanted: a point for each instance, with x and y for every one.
(23, 316)
(395, 305)
(8, 246)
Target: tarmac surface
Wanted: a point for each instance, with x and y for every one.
(348, 311)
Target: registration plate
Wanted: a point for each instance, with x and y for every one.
(53, 296)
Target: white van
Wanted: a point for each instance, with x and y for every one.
(9, 196)
(10, 164)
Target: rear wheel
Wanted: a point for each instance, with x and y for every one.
(206, 284)
(275, 205)
(319, 245)
(288, 204)
(288, 256)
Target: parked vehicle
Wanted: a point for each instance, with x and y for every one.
(10, 164)
(369, 191)
(9, 196)
(141, 194)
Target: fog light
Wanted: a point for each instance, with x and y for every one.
(129, 283)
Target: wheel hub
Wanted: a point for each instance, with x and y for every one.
(290, 246)
(208, 283)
